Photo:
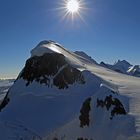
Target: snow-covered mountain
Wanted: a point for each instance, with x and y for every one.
(123, 67)
(61, 95)
(119, 66)
(134, 70)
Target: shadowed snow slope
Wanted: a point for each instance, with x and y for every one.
(62, 95)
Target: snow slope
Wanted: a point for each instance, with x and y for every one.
(48, 101)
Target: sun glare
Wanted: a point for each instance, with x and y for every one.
(72, 6)
(72, 9)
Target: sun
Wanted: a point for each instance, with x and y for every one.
(72, 9)
(73, 6)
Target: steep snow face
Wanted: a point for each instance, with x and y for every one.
(83, 54)
(61, 95)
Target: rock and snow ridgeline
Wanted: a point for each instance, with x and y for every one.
(62, 95)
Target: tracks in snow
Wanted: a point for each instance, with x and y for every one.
(20, 132)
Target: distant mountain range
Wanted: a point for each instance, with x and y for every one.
(124, 67)
(121, 66)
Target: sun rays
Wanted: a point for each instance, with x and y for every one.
(72, 9)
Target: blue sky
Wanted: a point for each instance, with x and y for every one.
(111, 31)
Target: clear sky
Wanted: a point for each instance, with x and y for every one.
(111, 30)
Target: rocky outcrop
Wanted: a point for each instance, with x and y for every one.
(112, 104)
(84, 116)
(82, 138)
(51, 69)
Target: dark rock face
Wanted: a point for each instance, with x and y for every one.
(114, 103)
(68, 75)
(82, 138)
(55, 138)
(51, 66)
(84, 116)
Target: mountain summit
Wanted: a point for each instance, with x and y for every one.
(62, 95)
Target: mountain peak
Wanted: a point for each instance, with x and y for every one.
(46, 46)
(58, 91)
(122, 62)
(43, 42)
(83, 54)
